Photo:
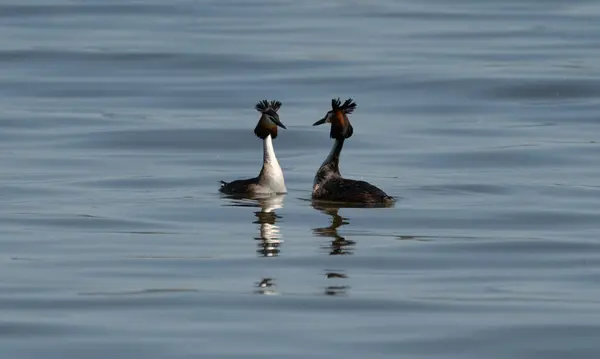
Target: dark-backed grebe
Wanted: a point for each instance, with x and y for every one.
(270, 180)
(328, 184)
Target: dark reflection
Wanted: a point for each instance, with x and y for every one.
(412, 238)
(336, 289)
(269, 239)
(338, 245)
(266, 286)
(336, 275)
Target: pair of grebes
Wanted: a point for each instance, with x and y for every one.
(328, 184)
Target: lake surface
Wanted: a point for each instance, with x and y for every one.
(118, 119)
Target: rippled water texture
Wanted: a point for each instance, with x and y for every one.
(118, 119)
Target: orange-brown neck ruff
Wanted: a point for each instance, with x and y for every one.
(339, 118)
(263, 130)
(340, 126)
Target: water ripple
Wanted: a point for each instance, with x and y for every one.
(118, 119)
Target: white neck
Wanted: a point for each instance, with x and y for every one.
(269, 151)
(271, 175)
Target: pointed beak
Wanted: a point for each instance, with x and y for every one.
(273, 116)
(277, 122)
(320, 122)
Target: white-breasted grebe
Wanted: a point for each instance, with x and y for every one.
(270, 179)
(328, 184)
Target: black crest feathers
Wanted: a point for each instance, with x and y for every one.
(347, 107)
(264, 105)
(275, 105)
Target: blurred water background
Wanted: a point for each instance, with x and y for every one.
(118, 119)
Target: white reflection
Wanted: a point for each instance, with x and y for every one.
(270, 236)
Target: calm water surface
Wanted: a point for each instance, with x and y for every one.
(118, 119)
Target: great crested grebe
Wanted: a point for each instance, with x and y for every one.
(328, 184)
(270, 179)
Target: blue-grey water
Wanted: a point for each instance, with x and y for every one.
(118, 119)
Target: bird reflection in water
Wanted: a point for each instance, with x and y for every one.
(269, 239)
(336, 289)
(338, 245)
(266, 286)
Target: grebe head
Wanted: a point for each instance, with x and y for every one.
(269, 119)
(338, 118)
